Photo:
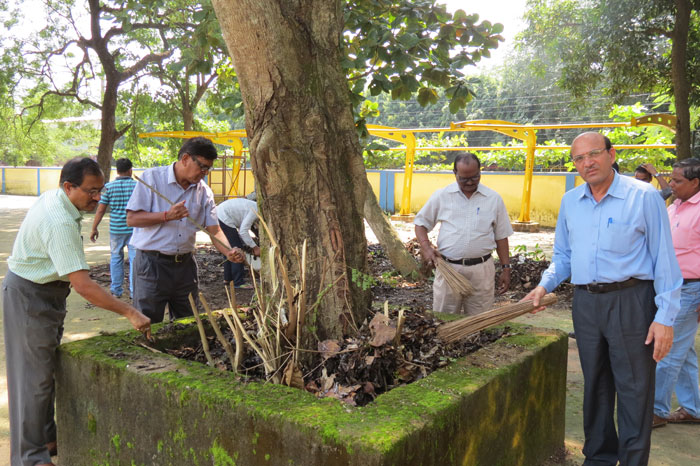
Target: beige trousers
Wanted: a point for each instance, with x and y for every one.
(482, 277)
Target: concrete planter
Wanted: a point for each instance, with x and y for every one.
(118, 404)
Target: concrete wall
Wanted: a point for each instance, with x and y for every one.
(120, 404)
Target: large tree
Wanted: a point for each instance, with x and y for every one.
(112, 42)
(617, 47)
(293, 60)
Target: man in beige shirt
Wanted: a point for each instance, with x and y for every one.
(473, 221)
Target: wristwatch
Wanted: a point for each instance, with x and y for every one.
(656, 175)
(505, 266)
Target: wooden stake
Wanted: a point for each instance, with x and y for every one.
(202, 333)
(215, 325)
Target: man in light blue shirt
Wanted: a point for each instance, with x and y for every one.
(613, 240)
(165, 270)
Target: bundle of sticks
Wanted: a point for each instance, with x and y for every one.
(457, 282)
(456, 330)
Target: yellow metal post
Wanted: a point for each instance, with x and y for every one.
(531, 142)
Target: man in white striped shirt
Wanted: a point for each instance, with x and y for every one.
(47, 260)
(473, 221)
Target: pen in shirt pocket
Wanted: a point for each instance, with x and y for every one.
(609, 221)
(477, 210)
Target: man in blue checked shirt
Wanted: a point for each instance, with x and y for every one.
(116, 196)
(613, 240)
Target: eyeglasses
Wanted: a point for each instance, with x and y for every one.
(202, 167)
(473, 179)
(92, 192)
(588, 155)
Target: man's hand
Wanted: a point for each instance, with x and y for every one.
(698, 313)
(429, 253)
(235, 255)
(94, 234)
(503, 281)
(140, 322)
(256, 251)
(536, 296)
(650, 168)
(662, 336)
(177, 211)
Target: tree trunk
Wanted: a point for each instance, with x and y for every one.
(188, 118)
(679, 77)
(305, 153)
(108, 128)
(394, 248)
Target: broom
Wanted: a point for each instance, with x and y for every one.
(450, 332)
(457, 282)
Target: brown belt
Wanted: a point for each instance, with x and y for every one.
(690, 280)
(596, 288)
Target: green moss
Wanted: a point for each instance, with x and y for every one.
(159, 447)
(380, 427)
(116, 443)
(92, 423)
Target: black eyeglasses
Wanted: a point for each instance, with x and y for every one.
(92, 192)
(202, 167)
(473, 179)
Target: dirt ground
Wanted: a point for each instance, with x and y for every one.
(673, 445)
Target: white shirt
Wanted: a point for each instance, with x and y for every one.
(469, 226)
(239, 213)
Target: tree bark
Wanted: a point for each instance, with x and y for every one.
(679, 78)
(394, 248)
(305, 153)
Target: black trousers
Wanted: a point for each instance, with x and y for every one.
(33, 321)
(610, 332)
(233, 272)
(159, 280)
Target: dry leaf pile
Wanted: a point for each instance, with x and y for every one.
(356, 370)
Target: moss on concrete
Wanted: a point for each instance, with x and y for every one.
(188, 413)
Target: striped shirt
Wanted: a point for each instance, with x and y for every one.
(469, 227)
(48, 245)
(116, 196)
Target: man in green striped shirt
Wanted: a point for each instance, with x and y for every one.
(47, 259)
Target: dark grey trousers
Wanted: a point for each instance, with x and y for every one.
(610, 332)
(159, 280)
(33, 321)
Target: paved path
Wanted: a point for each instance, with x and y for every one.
(674, 445)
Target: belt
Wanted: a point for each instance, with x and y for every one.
(175, 258)
(596, 288)
(476, 260)
(690, 280)
(57, 284)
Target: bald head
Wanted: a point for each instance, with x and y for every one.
(593, 156)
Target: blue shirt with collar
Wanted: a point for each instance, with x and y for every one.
(624, 235)
(175, 236)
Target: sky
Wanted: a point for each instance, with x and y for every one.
(507, 12)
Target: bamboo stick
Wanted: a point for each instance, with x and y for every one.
(458, 329)
(215, 325)
(240, 348)
(202, 333)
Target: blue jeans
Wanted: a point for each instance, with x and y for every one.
(117, 242)
(679, 369)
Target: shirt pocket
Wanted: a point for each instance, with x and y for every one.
(618, 237)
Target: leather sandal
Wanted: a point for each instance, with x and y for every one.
(658, 421)
(681, 415)
(53, 448)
